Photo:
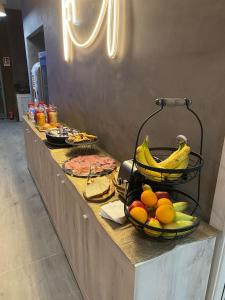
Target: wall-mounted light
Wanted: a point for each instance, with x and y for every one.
(113, 28)
(2, 11)
(69, 16)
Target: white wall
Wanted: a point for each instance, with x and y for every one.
(217, 277)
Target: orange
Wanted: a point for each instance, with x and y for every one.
(149, 198)
(154, 223)
(164, 201)
(165, 214)
(139, 214)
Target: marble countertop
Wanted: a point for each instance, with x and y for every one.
(133, 244)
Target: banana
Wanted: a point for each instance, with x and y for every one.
(182, 165)
(178, 158)
(163, 163)
(148, 156)
(176, 225)
(180, 206)
(183, 217)
(182, 140)
(184, 223)
(140, 157)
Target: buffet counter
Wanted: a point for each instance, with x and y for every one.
(111, 261)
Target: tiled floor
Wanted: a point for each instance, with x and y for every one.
(32, 262)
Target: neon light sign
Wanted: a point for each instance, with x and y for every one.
(69, 17)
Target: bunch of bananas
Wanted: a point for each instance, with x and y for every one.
(179, 159)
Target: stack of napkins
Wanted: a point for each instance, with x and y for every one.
(114, 211)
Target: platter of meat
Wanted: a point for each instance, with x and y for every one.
(81, 139)
(89, 166)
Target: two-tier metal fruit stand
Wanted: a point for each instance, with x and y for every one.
(185, 175)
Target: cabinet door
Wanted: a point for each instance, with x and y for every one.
(27, 138)
(62, 205)
(43, 168)
(71, 222)
(95, 259)
(39, 162)
(31, 144)
(38, 166)
(47, 184)
(108, 273)
(54, 192)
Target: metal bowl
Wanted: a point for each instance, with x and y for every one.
(60, 140)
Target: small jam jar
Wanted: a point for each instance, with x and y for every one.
(52, 115)
(40, 116)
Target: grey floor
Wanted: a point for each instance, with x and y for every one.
(32, 262)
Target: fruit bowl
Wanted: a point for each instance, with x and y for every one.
(171, 177)
(164, 233)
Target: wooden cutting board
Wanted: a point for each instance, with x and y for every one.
(99, 190)
(97, 187)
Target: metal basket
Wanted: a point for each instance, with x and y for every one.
(165, 234)
(196, 160)
(164, 182)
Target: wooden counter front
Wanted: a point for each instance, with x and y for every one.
(111, 261)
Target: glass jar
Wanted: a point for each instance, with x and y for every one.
(52, 115)
(40, 116)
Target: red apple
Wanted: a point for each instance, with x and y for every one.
(136, 203)
(162, 195)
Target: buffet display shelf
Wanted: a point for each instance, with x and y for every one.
(111, 261)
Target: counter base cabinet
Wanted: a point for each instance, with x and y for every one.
(181, 274)
(101, 268)
(100, 271)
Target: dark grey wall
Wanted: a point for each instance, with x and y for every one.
(15, 4)
(12, 45)
(171, 48)
(17, 47)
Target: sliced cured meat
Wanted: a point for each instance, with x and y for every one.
(81, 165)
